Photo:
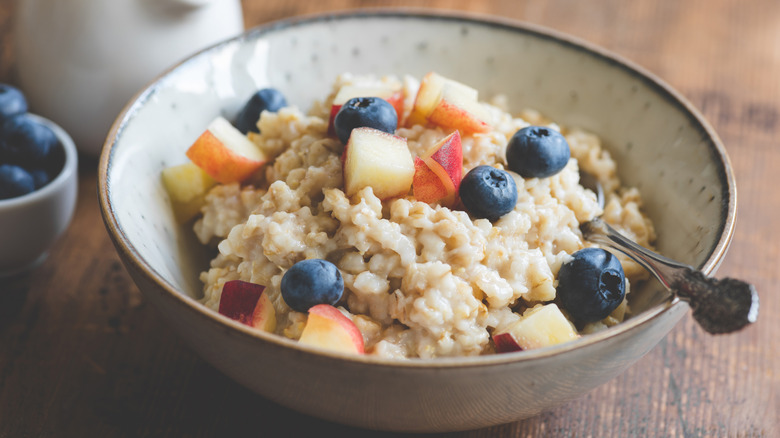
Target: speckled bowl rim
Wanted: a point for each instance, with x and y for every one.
(220, 322)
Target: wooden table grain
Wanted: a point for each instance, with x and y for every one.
(83, 354)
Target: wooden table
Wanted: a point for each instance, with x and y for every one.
(83, 354)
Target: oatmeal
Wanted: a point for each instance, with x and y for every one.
(420, 279)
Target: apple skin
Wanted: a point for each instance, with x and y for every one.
(226, 154)
(328, 328)
(334, 109)
(427, 186)
(397, 101)
(505, 343)
(444, 160)
(248, 304)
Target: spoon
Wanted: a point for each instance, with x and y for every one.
(719, 306)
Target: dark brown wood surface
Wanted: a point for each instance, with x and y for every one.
(83, 354)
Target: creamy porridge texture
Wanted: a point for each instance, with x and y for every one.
(420, 279)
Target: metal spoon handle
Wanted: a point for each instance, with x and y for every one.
(719, 306)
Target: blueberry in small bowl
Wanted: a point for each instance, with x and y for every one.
(15, 181)
(12, 102)
(27, 142)
(38, 184)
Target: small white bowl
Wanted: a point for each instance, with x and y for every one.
(661, 143)
(30, 224)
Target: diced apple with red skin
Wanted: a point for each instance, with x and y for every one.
(428, 96)
(449, 104)
(456, 110)
(427, 186)
(248, 304)
(379, 160)
(394, 97)
(542, 326)
(327, 327)
(505, 343)
(186, 185)
(225, 153)
(445, 161)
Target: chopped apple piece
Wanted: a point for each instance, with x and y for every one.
(186, 185)
(394, 97)
(456, 109)
(248, 304)
(429, 94)
(427, 186)
(327, 327)
(540, 327)
(379, 160)
(445, 160)
(225, 153)
(264, 316)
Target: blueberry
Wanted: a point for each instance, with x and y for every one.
(537, 152)
(26, 142)
(311, 282)
(40, 176)
(14, 181)
(12, 102)
(267, 99)
(488, 193)
(55, 161)
(359, 112)
(591, 285)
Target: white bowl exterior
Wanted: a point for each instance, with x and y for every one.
(30, 224)
(659, 146)
(459, 395)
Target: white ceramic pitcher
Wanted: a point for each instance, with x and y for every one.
(80, 61)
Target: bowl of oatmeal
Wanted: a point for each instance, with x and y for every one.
(377, 266)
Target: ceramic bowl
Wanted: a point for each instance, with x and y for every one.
(30, 224)
(661, 143)
(79, 63)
